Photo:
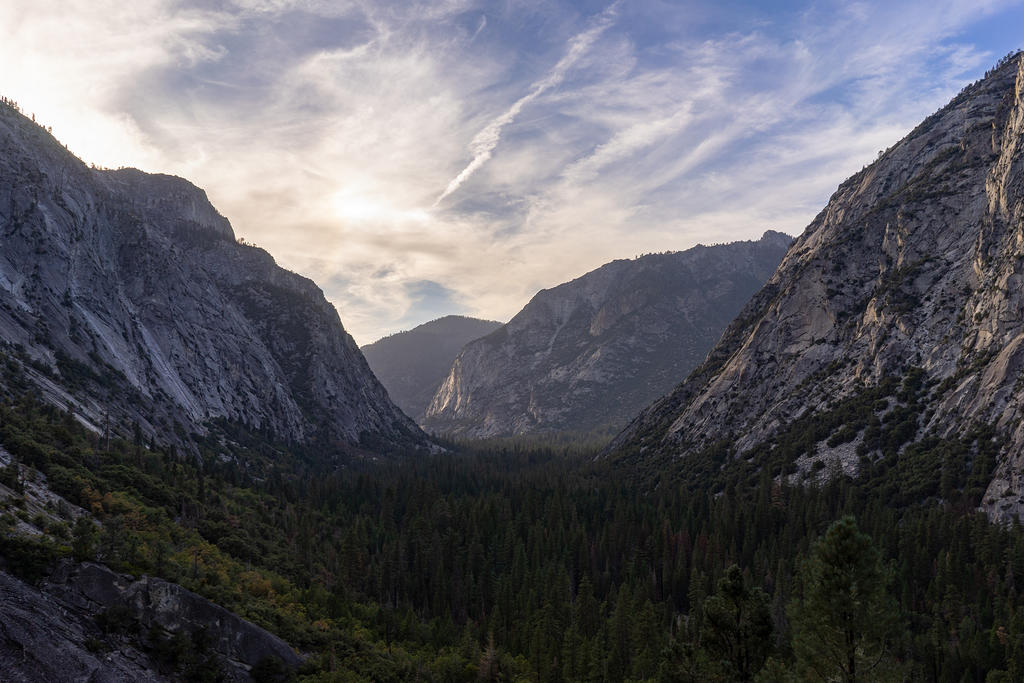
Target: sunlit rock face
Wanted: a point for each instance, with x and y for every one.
(590, 353)
(412, 364)
(916, 262)
(127, 295)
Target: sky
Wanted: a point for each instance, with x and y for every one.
(418, 159)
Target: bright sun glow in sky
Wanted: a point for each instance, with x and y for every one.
(357, 207)
(420, 158)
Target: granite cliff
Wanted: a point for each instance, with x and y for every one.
(912, 276)
(126, 295)
(88, 623)
(587, 354)
(412, 364)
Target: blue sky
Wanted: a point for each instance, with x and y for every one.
(424, 158)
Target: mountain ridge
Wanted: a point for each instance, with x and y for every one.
(117, 282)
(583, 355)
(914, 264)
(411, 364)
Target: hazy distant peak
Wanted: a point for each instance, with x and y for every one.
(776, 237)
(413, 363)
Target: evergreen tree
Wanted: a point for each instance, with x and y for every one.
(843, 625)
(83, 538)
(737, 626)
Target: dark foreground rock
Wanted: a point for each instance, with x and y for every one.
(88, 623)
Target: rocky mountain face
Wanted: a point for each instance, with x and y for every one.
(911, 277)
(412, 364)
(127, 294)
(88, 623)
(584, 355)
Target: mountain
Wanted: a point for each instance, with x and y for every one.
(412, 364)
(127, 298)
(891, 338)
(586, 354)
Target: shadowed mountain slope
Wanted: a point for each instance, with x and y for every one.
(126, 294)
(412, 364)
(587, 354)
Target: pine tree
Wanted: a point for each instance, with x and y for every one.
(84, 536)
(843, 626)
(737, 627)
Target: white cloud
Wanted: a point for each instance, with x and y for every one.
(329, 142)
(68, 60)
(486, 140)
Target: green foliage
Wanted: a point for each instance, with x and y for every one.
(10, 476)
(83, 539)
(508, 562)
(737, 628)
(190, 658)
(844, 623)
(28, 558)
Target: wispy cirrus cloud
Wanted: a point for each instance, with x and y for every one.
(486, 140)
(335, 134)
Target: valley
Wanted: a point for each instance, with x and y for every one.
(772, 459)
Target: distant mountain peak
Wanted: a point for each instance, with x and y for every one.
(413, 363)
(584, 355)
(776, 237)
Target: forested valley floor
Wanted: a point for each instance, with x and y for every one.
(530, 562)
